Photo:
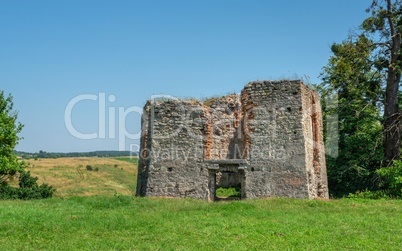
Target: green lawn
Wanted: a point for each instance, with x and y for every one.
(126, 223)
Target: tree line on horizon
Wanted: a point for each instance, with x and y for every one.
(43, 154)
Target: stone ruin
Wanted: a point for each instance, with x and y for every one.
(267, 141)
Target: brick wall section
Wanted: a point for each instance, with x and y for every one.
(223, 132)
(314, 148)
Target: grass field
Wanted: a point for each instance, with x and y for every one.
(127, 223)
(95, 210)
(70, 176)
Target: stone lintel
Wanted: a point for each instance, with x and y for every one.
(213, 167)
(242, 167)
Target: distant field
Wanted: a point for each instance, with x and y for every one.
(71, 177)
(133, 160)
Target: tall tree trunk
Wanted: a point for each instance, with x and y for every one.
(392, 118)
(391, 111)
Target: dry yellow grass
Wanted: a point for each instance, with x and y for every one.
(70, 176)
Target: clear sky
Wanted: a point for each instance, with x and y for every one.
(54, 51)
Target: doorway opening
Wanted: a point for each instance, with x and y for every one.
(227, 179)
(228, 185)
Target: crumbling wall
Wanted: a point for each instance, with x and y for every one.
(275, 138)
(174, 140)
(223, 127)
(223, 133)
(275, 125)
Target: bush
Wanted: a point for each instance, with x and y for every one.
(8, 192)
(28, 189)
(374, 195)
(392, 178)
(390, 184)
(90, 168)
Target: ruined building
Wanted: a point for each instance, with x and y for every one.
(267, 141)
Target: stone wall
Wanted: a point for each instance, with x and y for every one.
(279, 137)
(172, 150)
(275, 126)
(275, 139)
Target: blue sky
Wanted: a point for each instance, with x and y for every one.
(54, 51)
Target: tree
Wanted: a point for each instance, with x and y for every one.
(9, 129)
(10, 165)
(385, 26)
(365, 70)
(357, 84)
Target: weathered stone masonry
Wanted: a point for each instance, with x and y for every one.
(268, 140)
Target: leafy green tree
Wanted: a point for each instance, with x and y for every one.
(365, 71)
(9, 129)
(357, 84)
(385, 27)
(10, 165)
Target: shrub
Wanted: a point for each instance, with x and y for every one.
(28, 189)
(374, 195)
(392, 177)
(8, 192)
(90, 168)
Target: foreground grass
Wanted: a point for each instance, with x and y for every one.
(126, 223)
